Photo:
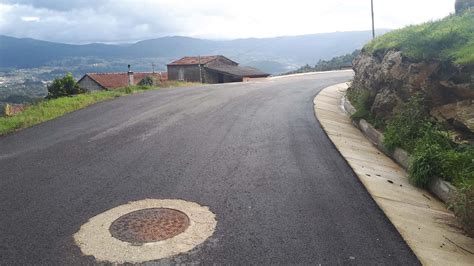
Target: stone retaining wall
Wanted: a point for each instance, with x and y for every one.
(444, 190)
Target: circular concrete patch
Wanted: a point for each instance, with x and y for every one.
(145, 230)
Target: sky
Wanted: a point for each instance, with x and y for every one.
(123, 21)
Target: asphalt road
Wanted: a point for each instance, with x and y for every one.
(254, 153)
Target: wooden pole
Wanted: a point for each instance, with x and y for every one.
(200, 71)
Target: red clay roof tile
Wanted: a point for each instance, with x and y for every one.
(119, 80)
(194, 60)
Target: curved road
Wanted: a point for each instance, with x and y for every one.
(253, 152)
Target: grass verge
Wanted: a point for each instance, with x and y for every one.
(50, 109)
(448, 39)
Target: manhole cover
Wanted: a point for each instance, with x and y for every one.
(149, 225)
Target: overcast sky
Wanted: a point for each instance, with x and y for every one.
(84, 21)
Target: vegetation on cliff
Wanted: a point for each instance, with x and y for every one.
(335, 63)
(416, 84)
(448, 39)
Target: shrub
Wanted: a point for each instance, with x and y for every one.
(457, 165)
(463, 207)
(428, 156)
(64, 86)
(406, 127)
(362, 100)
(147, 81)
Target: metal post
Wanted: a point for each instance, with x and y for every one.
(373, 22)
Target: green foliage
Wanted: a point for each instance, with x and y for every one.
(147, 81)
(457, 165)
(428, 158)
(52, 108)
(433, 154)
(64, 86)
(448, 39)
(362, 100)
(463, 207)
(335, 63)
(406, 127)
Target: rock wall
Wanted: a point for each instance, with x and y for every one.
(392, 79)
(462, 5)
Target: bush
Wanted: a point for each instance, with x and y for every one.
(406, 127)
(147, 81)
(64, 86)
(457, 165)
(463, 207)
(428, 156)
(362, 100)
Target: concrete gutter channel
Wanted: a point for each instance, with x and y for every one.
(430, 230)
(442, 189)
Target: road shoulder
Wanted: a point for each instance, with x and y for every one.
(423, 221)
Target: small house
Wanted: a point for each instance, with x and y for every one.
(108, 81)
(211, 69)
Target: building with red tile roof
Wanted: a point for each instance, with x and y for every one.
(211, 69)
(109, 81)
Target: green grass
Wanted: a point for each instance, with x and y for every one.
(448, 39)
(50, 109)
(362, 99)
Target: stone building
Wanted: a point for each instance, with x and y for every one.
(211, 69)
(107, 81)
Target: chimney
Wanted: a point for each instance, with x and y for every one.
(130, 77)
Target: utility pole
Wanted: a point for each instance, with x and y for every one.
(373, 22)
(153, 66)
(200, 71)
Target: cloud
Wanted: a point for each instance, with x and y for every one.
(30, 19)
(82, 21)
(57, 4)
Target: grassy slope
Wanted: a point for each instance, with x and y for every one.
(451, 38)
(50, 109)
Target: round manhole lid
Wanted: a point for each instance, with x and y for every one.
(149, 225)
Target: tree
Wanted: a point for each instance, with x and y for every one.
(64, 86)
(147, 81)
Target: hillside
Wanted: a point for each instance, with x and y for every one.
(274, 55)
(336, 63)
(450, 39)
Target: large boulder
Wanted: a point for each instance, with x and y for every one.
(392, 79)
(459, 114)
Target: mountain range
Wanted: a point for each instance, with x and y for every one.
(274, 55)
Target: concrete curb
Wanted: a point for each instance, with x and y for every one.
(441, 188)
(424, 222)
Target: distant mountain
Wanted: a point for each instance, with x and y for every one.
(274, 55)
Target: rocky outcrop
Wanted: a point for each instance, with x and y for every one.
(462, 5)
(460, 114)
(392, 79)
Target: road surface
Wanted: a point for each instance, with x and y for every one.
(253, 152)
